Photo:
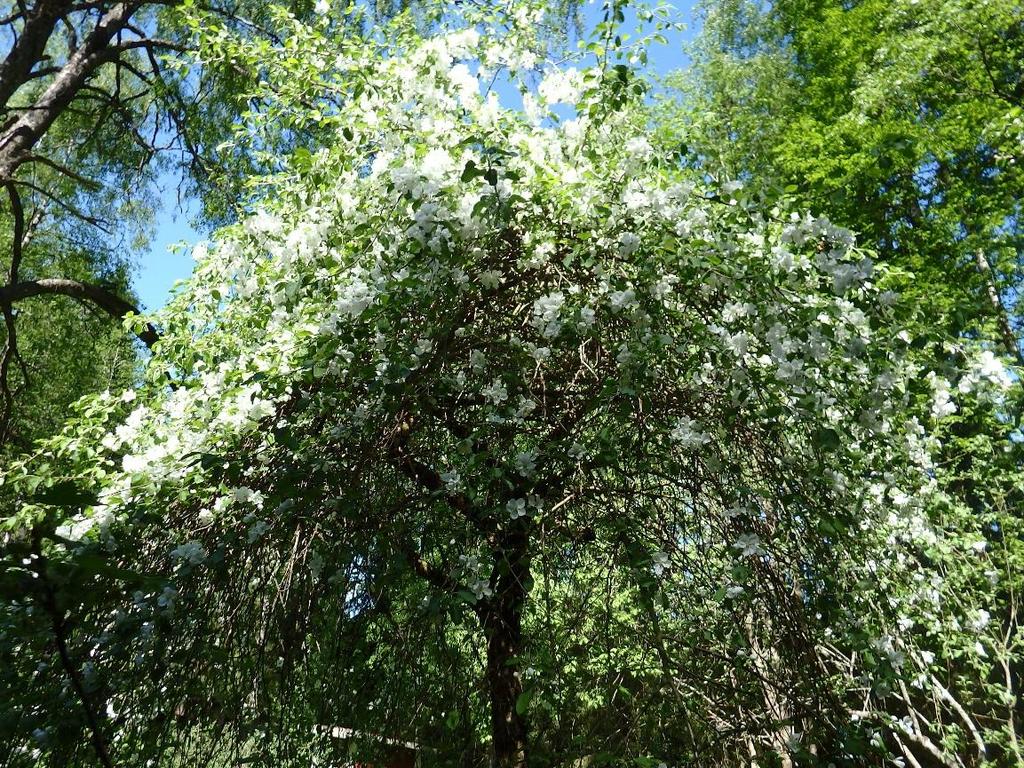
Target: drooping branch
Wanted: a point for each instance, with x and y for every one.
(78, 214)
(90, 184)
(109, 302)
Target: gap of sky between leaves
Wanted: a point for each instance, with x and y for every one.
(165, 264)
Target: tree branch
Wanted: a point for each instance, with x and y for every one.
(98, 223)
(109, 302)
(18, 239)
(11, 344)
(29, 48)
(90, 184)
(59, 626)
(20, 135)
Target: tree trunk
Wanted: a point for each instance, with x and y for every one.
(502, 624)
(1002, 320)
(30, 45)
(21, 134)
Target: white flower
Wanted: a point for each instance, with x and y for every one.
(639, 147)
(620, 300)
(495, 392)
(465, 83)
(749, 545)
(451, 479)
(788, 369)
(660, 562)
(191, 552)
(991, 367)
(265, 223)
(77, 529)
(480, 588)
(354, 298)
(436, 164)
(885, 646)
(134, 463)
(560, 87)
(526, 463)
(247, 495)
(546, 312)
(663, 287)
(316, 564)
(628, 243)
(738, 343)
(688, 434)
(516, 508)
(734, 311)
(733, 591)
(256, 531)
(128, 396)
(942, 406)
(166, 598)
(540, 354)
(541, 255)
(735, 511)
(322, 7)
(490, 279)
(981, 620)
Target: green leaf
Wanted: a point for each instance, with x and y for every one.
(828, 439)
(523, 701)
(65, 494)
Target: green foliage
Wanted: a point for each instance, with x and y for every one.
(66, 348)
(901, 120)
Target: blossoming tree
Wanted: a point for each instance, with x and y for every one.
(489, 426)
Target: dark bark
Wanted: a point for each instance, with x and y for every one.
(500, 615)
(502, 622)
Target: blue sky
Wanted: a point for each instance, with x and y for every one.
(160, 268)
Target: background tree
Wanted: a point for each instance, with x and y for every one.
(901, 119)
